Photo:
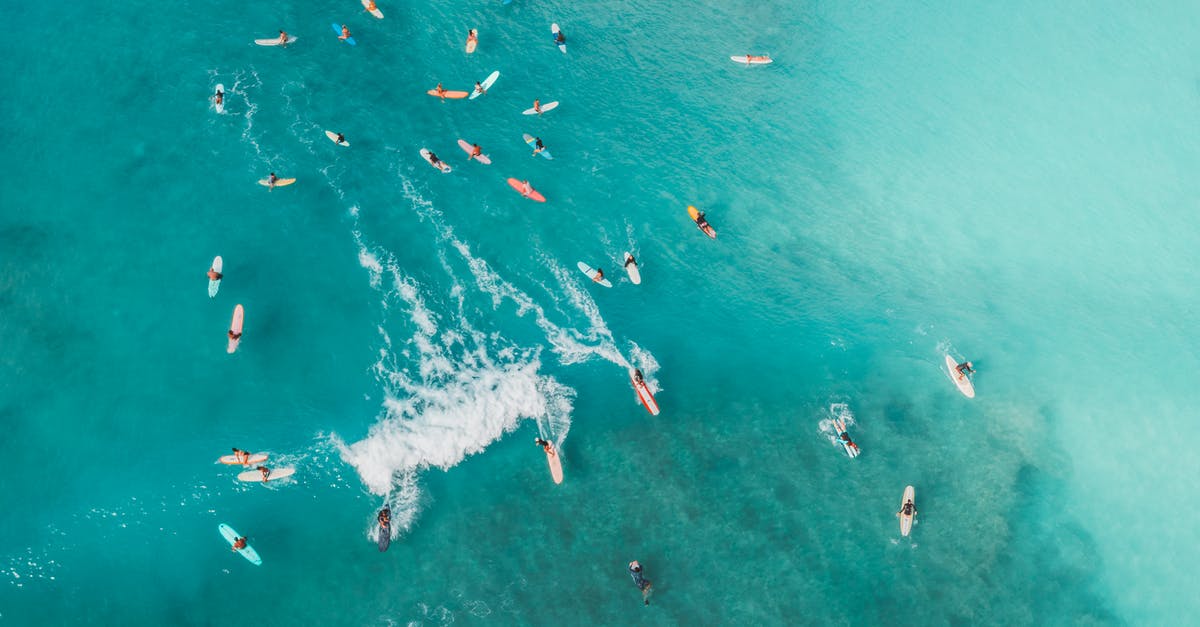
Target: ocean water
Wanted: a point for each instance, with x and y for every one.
(1012, 184)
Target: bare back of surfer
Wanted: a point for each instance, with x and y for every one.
(475, 151)
(643, 584)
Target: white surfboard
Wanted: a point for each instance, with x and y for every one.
(591, 273)
(377, 13)
(333, 138)
(961, 380)
(486, 85)
(907, 521)
(219, 106)
(549, 106)
(215, 284)
(274, 41)
(256, 476)
(554, 30)
(441, 165)
(635, 275)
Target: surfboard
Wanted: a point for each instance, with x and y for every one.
(695, 214)
(441, 165)
(467, 148)
(532, 141)
(591, 273)
(851, 448)
(236, 326)
(549, 106)
(749, 59)
(219, 106)
(278, 182)
(533, 194)
(337, 28)
(232, 460)
(555, 464)
(333, 138)
(274, 41)
(486, 84)
(471, 43)
(449, 95)
(635, 275)
(554, 33)
(643, 394)
(961, 380)
(214, 285)
(907, 521)
(254, 476)
(377, 13)
(385, 535)
(247, 551)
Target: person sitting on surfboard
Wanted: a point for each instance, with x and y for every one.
(643, 584)
(537, 106)
(441, 92)
(283, 37)
(239, 543)
(560, 38)
(271, 178)
(472, 36)
(345, 32)
(537, 145)
(908, 510)
(475, 151)
(964, 369)
(526, 188)
(849, 443)
(701, 222)
(479, 88)
(219, 98)
(599, 275)
(241, 456)
(213, 275)
(266, 472)
(341, 139)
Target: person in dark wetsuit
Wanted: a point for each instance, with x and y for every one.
(631, 262)
(965, 368)
(643, 584)
(909, 509)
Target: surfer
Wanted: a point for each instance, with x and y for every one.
(479, 88)
(643, 584)
(437, 163)
(631, 262)
(283, 37)
(637, 376)
(345, 33)
(341, 139)
(545, 445)
(475, 151)
(472, 36)
(219, 98)
(239, 544)
(385, 519)
(537, 145)
(908, 509)
(599, 275)
(963, 369)
(271, 178)
(848, 442)
(701, 222)
(213, 275)
(537, 106)
(235, 336)
(560, 38)
(526, 188)
(440, 92)
(242, 457)
(266, 472)
(371, 8)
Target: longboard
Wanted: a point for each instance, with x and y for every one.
(236, 326)
(554, 32)
(708, 230)
(448, 95)
(337, 28)
(907, 521)
(486, 84)
(278, 182)
(961, 380)
(591, 272)
(555, 464)
(471, 43)
(254, 476)
(549, 106)
(441, 165)
(466, 146)
(232, 460)
(851, 448)
(220, 107)
(643, 394)
(333, 138)
(247, 551)
(377, 13)
(635, 275)
(214, 285)
(533, 194)
(274, 41)
(749, 59)
(532, 141)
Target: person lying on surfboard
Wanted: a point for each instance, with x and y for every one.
(213, 275)
(266, 472)
(560, 38)
(846, 438)
(643, 584)
(599, 275)
(239, 544)
(385, 518)
(632, 262)
(371, 6)
(475, 152)
(637, 374)
(345, 33)
(234, 336)
(537, 145)
(434, 160)
(963, 369)
(219, 98)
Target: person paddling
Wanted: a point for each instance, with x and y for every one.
(433, 159)
(235, 336)
(637, 376)
(631, 262)
(643, 584)
(385, 519)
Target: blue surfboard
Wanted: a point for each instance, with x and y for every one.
(337, 28)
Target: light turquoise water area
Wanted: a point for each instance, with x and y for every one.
(1014, 184)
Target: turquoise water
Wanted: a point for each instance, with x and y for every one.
(1014, 184)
